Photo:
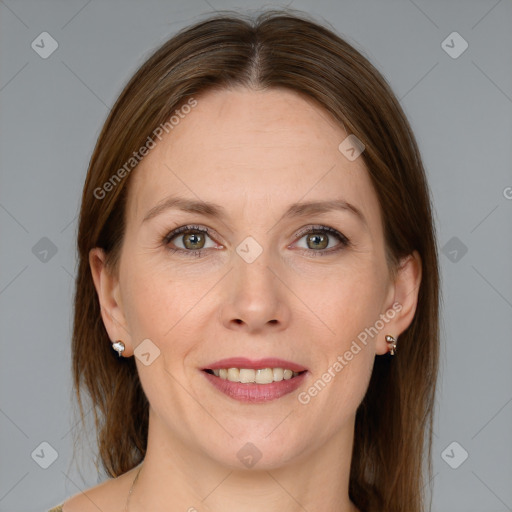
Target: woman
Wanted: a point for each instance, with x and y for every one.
(256, 308)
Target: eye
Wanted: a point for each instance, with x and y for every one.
(191, 240)
(317, 240)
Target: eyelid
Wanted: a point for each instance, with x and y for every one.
(190, 227)
(326, 229)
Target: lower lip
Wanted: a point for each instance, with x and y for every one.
(254, 393)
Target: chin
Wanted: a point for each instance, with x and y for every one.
(255, 452)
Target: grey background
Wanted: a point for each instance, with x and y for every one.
(51, 114)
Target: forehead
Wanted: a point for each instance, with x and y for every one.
(252, 147)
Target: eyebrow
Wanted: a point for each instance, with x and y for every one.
(217, 211)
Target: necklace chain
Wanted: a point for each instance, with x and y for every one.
(131, 489)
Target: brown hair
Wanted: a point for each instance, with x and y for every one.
(393, 432)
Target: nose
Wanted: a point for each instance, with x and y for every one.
(255, 298)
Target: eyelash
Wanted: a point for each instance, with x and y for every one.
(344, 241)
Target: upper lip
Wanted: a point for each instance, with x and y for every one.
(243, 362)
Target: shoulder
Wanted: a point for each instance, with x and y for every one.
(109, 495)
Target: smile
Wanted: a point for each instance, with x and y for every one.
(257, 376)
(255, 385)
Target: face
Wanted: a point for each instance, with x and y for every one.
(261, 280)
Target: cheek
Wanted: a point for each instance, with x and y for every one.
(336, 390)
(351, 302)
(155, 303)
(172, 312)
(156, 296)
(345, 357)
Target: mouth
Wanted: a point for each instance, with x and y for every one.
(254, 376)
(255, 381)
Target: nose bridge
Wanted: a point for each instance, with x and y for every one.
(252, 268)
(255, 298)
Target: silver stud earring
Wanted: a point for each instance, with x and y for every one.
(119, 347)
(391, 341)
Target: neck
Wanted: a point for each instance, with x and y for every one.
(176, 476)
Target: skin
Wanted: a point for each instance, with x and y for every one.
(253, 152)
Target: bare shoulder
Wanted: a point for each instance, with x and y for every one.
(109, 495)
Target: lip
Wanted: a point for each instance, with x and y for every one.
(254, 364)
(252, 392)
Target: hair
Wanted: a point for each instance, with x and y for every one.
(278, 49)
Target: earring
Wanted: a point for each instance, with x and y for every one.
(119, 347)
(391, 340)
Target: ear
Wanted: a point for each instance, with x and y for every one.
(112, 312)
(402, 301)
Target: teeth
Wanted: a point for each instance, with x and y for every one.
(265, 376)
(234, 374)
(278, 374)
(260, 376)
(246, 375)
